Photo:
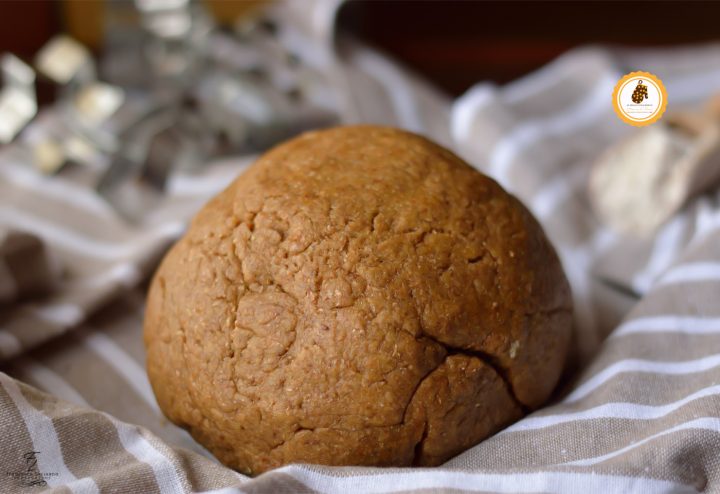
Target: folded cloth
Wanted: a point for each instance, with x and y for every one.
(100, 253)
(26, 271)
(640, 414)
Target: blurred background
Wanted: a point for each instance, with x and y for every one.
(149, 107)
(452, 43)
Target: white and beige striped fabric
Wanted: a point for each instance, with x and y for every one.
(639, 410)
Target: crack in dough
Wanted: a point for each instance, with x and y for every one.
(358, 296)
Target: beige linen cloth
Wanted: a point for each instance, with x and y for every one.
(640, 409)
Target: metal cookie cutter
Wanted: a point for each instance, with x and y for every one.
(18, 104)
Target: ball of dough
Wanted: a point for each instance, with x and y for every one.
(358, 296)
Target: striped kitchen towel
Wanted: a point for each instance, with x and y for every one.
(639, 410)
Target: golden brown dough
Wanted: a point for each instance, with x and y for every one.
(359, 296)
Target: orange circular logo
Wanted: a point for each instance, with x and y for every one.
(639, 98)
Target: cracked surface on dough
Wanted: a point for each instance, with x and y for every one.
(359, 296)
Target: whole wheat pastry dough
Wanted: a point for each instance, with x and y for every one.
(359, 296)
